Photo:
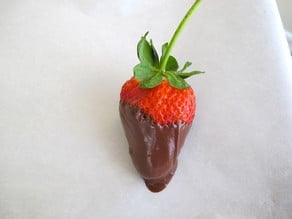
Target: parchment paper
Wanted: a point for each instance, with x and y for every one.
(63, 153)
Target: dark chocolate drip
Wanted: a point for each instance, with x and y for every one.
(154, 148)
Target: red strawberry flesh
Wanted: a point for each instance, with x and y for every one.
(165, 104)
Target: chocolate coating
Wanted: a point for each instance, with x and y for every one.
(154, 148)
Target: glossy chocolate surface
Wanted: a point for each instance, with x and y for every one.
(154, 148)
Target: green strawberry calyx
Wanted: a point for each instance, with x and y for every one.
(152, 69)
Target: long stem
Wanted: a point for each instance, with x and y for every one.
(178, 30)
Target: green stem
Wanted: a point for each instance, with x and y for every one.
(178, 30)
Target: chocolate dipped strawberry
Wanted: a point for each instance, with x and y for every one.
(157, 108)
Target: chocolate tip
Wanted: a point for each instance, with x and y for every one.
(155, 187)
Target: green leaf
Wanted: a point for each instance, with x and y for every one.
(152, 81)
(176, 81)
(140, 44)
(154, 55)
(146, 51)
(143, 71)
(171, 64)
(185, 75)
(186, 65)
(164, 48)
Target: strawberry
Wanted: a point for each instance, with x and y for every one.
(157, 108)
(163, 103)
